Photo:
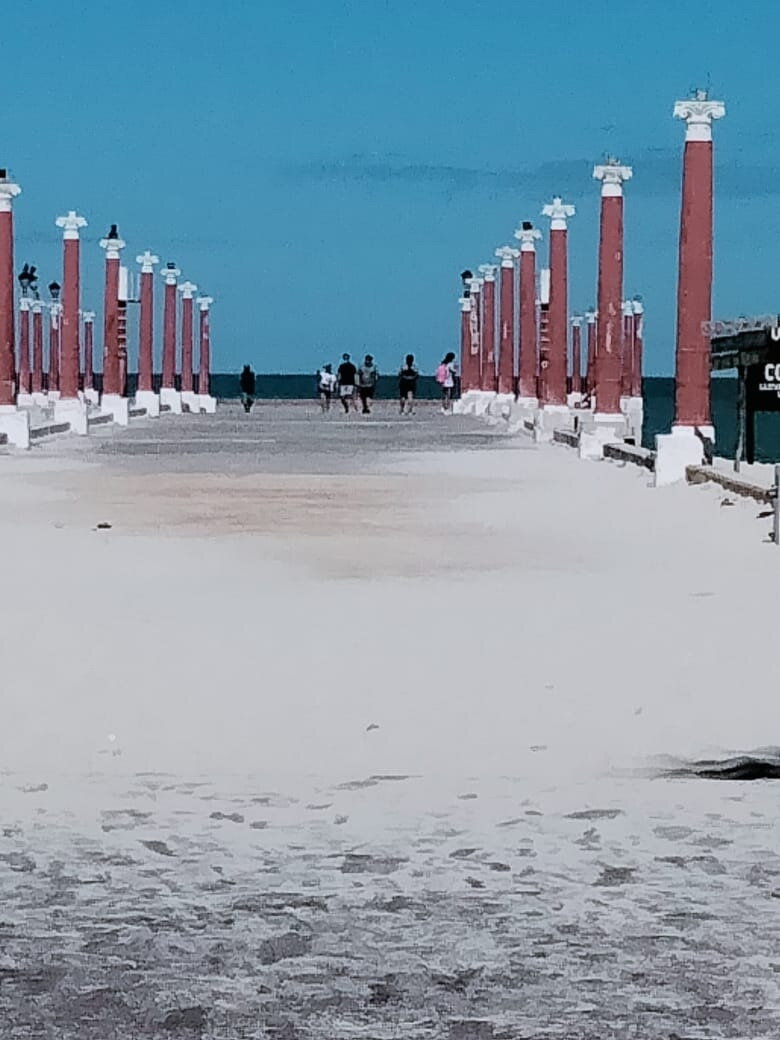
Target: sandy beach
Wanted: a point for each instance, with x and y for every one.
(387, 703)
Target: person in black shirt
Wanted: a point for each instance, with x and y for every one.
(407, 384)
(347, 375)
(248, 388)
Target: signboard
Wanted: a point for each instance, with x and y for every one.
(763, 387)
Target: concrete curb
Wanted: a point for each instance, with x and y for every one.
(705, 474)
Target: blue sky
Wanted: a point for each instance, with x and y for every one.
(326, 169)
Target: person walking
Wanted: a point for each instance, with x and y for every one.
(326, 384)
(248, 388)
(347, 375)
(445, 377)
(367, 379)
(407, 385)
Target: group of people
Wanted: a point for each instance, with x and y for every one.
(351, 383)
(356, 385)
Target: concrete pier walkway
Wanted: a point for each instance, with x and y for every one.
(353, 723)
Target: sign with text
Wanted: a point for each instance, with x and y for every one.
(763, 386)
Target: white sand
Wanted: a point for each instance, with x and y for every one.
(471, 604)
(517, 624)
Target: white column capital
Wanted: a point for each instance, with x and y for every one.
(699, 112)
(70, 224)
(637, 307)
(204, 302)
(112, 246)
(475, 285)
(576, 321)
(488, 272)
(8, 191)
(465, 303)
(88, 316)
(188, 290)
(527, 237)
(627, 308)
(507, 255)
(37, 306)
(612, 175)
(147, 260)
(170, 274)
(25, 303)
(558, 211)
(590, 317)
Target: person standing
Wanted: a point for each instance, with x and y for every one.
(367, 379)
(248, 388)
(326, 384)
(347, 374)
(407, 385)
(445, 377)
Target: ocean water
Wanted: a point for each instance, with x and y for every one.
(658, 394)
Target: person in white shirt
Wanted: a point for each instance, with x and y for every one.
(326, 384)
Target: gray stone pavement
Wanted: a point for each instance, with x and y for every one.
(296, 437)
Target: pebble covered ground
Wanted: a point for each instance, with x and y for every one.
(151, 906)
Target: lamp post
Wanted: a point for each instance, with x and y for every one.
(90, 393)
(55, 308)
(23, 396)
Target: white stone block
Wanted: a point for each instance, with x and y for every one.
(676, 451)
(208, 404)
(40, 399)
(25, 401)
(72, 410)
(592, 440)
(190, 401)
(92, 396)
(149, 400)
(171, 398)
(15, 424)
(116, 406)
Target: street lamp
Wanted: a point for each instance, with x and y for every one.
(54, 291)
(465, 277)
(27, 279)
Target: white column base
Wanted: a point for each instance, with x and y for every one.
(677, 450)
(117, 406)
(547, 419)
(635, 413)
(40, 399)
(72, 410)
(25, 400)
(92, 396)
(500, 405)
(53, 395)
(149, 400)
(574, 400)
(592, 440)
(208, 404)
(171, 398)
(190, 401)
(470, 403)
(15, 424)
